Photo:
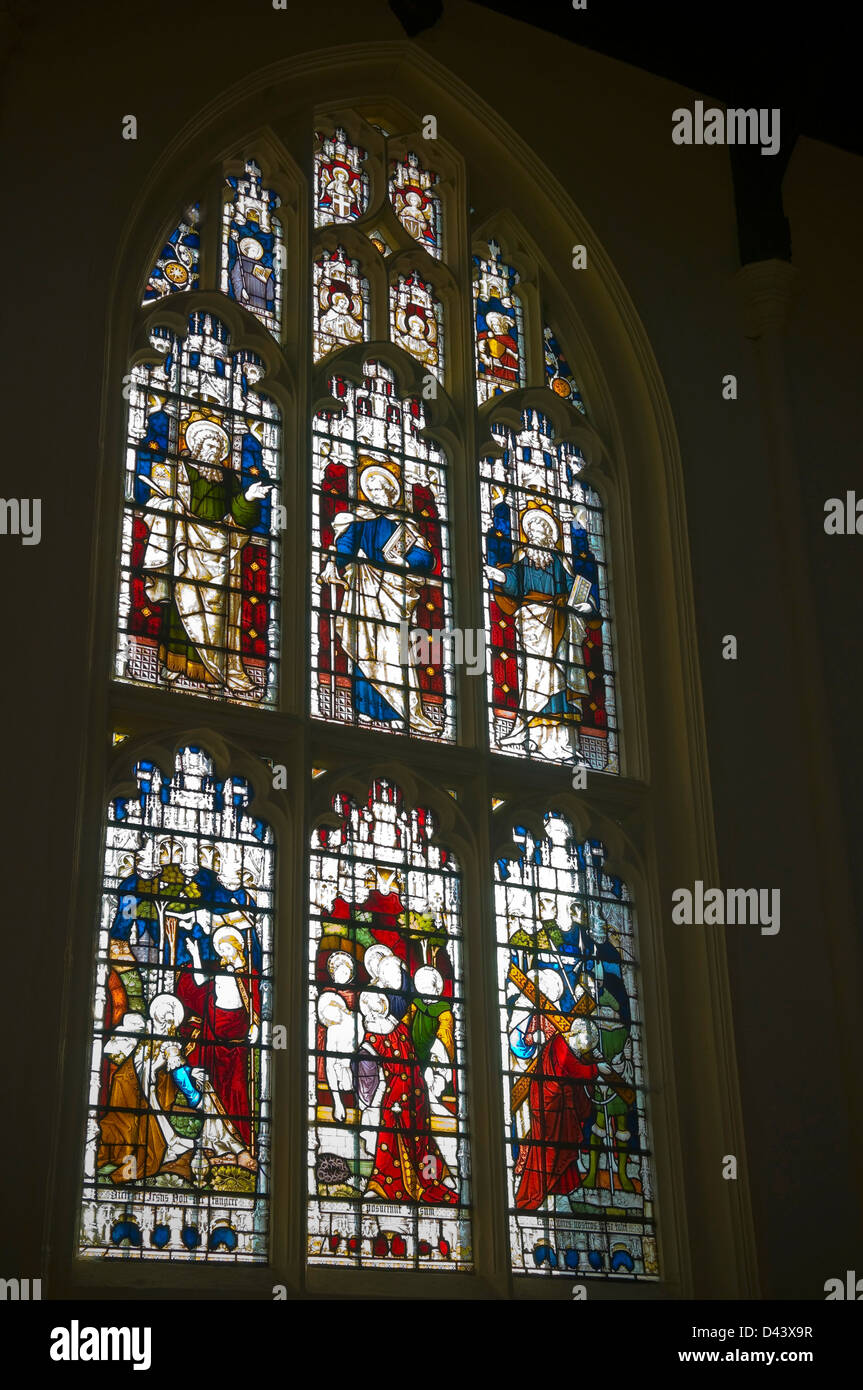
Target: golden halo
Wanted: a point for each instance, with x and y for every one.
(543, 511)
(227, 934)
(375, 470)
(198, 425)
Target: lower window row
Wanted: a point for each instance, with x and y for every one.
(187, 1036)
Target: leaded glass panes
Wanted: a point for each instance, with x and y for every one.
(416, 321)
(253, 250)
(388, 1157)
(176, 267)
(178, 1135)
(415, 205)
(578, 1162)
(381, 587)
(551, 682)
(178, 1140)
(341, 303)
(341, 183)
(498, 326)
(558, 375)
(199, 578)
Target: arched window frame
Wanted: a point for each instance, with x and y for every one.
(655, 817)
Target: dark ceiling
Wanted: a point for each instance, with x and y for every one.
(801, 58)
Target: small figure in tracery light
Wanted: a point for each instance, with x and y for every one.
(415, 205)
(252, 247)
(342, 186)
(498, 348)
(416, 315)
(341, 304)
(252, 281)
(341, 313)
(499, 338)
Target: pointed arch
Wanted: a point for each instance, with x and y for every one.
(665, 787)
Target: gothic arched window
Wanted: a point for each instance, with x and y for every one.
(367, 934)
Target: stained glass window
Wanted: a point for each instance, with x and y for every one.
(578, 1162)
(341, 303)
(176, 267)
(551, 681)
(499, 329)
(381, 588)
(199, 580)
(388, 1160)
(253, 249)
(178, 1138)
(341, 183)
(557, 371)
(416, 321)
(415, 205)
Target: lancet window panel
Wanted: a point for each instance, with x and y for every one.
(381, 588)
(388, 1149)
(498, 326)
(579, 1168)
(177, 1159)
(551, 675)
(198, 607)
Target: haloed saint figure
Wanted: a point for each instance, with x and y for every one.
(380, 561)
(192, 562)
(549, 605)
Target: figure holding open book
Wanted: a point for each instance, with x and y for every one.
(381, 561)
(549, 604)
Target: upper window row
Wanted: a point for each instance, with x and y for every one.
(253, 254)
(199, 590)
